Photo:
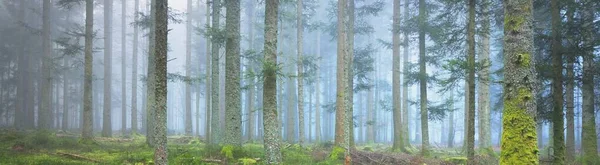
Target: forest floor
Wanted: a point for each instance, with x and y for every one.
(34, 147)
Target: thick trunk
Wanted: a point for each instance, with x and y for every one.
(557, 86)
(588, 133)
(485, 142)
(123, 67)
(188, 69)
(160, 87)
(471, 81)
(233, 111)
(106, 117)
(86, 133)
(134, 72)
(299, 43)
(215, 117)
(272, 134)
(397, 109)
(423, 80)
(519, 143)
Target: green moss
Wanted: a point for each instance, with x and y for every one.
(512, 23)
(337, 153)
(524, 59)
(457, 160)
(228, 151)
(247, 161)
(519, 138)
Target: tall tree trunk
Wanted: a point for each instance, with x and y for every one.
(106, 117)
(588, 133)
(397, 109)
(485, 142)
(299, 43)
(45, 111)
(557, 86)
(134, 72)
(342, 124)
(86, 133)
(350, 71)
(272, 132)
(251, 83)
(471, 81)
(151, 80)
(25, 104)
(405, 70)
(519, 145)
(65, 112)
(215, 117)
(160, 87)
(123, 67)
(423, 80)
(188, 69)
(451, 130)
(233, 122)
(208, 90)
(570, 95)
(318, 90)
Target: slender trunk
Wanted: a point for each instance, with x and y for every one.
(588, 133)
(451, 123)
(570, 96)
(299, 43)
(342, 125)
(405, 70)
(485, 142)
(160, 87)
(519, 145)
(397, 109)
(471, 81)
(557, 86)
(350, 72)
(272, 132)
(65, 116)
(318, 91)
(208, 90)
(106, 117)
(252, 83)
(123, 68)
(188, 70)
(215, 117)
(134, 72)
(86, 133)
(45, 111)
(150, 96)
(423, 80)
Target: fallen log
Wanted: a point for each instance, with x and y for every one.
(75, 156)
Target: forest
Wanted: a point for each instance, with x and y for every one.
(323, 82)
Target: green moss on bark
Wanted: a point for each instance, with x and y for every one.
(519, 143)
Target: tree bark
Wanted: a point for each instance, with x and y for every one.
(350, 71)
(485, 142)
(65, 104)
(397, 109)
(123, 67)
(215, 117)
(318, 90)
(272, 132)
(519, 143)
(557, 86)
(160, 88)
(588, 133)
(45, 111)
(405, 64)
(251, 91)
(570, 95)
(134, 72)
(106, 117)
(299, 43)
(471, 81)
(86, 133)
(208, 90)
(233, 113)
(423, 80)
(150, 96)
(188, 69)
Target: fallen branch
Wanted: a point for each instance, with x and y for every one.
(74, 156)
(212, 160)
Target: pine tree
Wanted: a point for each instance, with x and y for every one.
(233, 111)
(123, 67)
(160, 87)
(519, 143)
(272, 132)
(588, 133)
(471, 81)
(87, 133)
(106, 117)
(188, 69)
(397, 111)
(215, 43)
(300, 78)
(134, 72)
(484, 80)
(557, 85)
(45, 111)
(423, 80)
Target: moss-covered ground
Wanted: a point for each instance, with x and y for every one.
(35, 147)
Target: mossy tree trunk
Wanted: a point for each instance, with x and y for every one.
(519, 142)
(341, 123)
(233, 110)
(215, 130)
(272, 133)
(87, 132)
(471, 81)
